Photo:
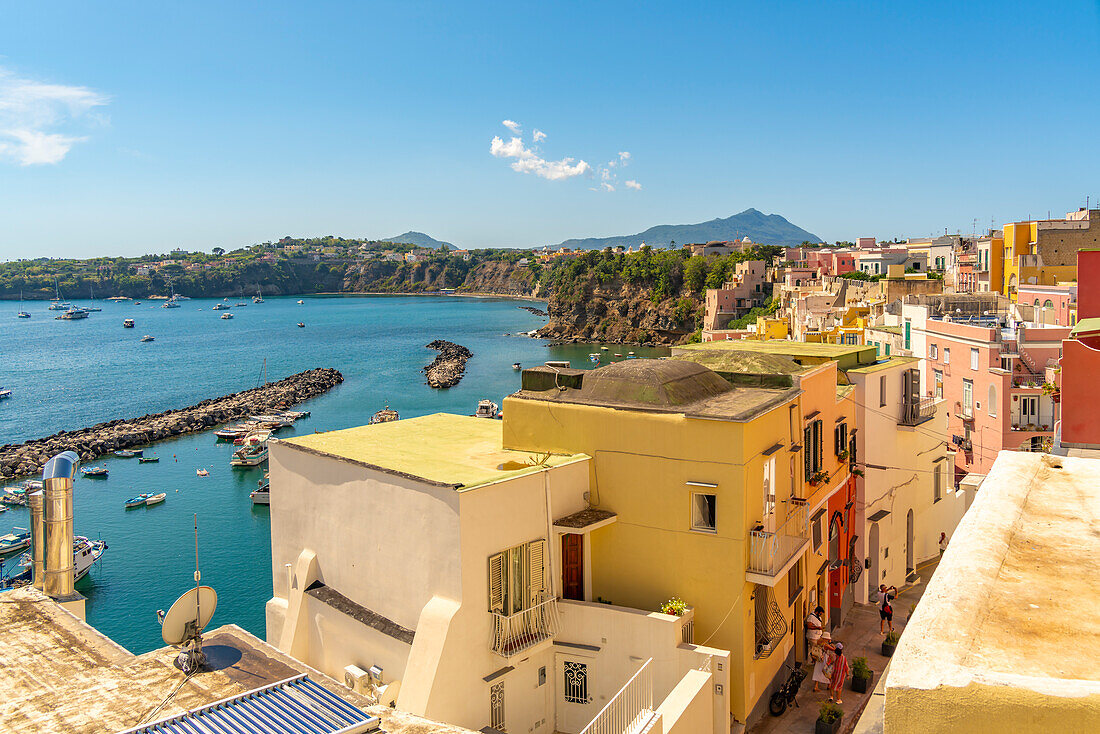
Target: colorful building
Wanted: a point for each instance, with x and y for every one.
(1044, 252)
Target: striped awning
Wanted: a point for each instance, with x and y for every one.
(288, 707)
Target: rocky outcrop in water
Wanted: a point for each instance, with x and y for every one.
(27, 458)
(536, 311)
(447, 369)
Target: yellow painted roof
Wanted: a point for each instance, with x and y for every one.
(455, 450)
(777, 346)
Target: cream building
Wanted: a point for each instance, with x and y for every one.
(423, 554)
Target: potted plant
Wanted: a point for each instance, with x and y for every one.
(675, 606)
(890, 643)
(857, 471)
(828, 718)
(843, 455)
(862, 675)
(819, 477)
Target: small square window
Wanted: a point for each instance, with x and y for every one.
(703, 512)
(933, 352)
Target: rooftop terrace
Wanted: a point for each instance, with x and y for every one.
(447, 450)
(806, 353)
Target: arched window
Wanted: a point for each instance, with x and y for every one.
(1048, 303)
(1036, 303)
(991, 406)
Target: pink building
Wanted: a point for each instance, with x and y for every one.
(745, 291)
(1080, 362)
(864, 242)
(992, 378)
(1054, 304)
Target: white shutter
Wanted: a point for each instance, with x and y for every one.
(496, 583)
(536, 573)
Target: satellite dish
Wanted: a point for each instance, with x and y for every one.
(189, 616)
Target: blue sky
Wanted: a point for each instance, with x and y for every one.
(135, 127)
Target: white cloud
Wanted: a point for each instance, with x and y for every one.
(32, 111)
(527, 161)
(624, 157)
(605, 174)
(633, 185)
(607, 187)
(538, 136)
(513, 126)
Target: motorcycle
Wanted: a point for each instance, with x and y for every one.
(784, 697)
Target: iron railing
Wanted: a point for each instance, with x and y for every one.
(770, 551)
(523, 630)
(630, 710)
(917, 410)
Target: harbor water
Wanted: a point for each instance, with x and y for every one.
(66, 375)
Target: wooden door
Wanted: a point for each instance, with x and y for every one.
(572, 566)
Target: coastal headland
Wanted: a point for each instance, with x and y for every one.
(89, 443)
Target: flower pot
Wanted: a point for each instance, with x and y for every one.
(862, 685)
(887, 650)
(823, 728)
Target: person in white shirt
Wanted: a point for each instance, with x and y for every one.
(943, 543)
(815, 625)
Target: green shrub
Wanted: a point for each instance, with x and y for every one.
(829, 712)
(892, 638)
(860, 668)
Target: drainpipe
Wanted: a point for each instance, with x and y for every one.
(38, 540)
(57, 478)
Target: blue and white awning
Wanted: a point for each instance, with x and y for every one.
(291, 706)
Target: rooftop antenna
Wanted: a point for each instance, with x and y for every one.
(183, 624)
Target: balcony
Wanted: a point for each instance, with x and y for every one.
(523, 630)
(916, 411)
(631, 709)
(771, 554)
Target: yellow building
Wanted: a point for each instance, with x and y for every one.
(713, 482)
(1042, 252)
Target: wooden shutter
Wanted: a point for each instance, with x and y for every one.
(808, 451)
(496, 583)
(820, 443)
(536, 571)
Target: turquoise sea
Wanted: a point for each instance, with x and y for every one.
(71, 374)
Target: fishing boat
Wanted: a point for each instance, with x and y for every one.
(516, 366)
(486, 409)
(147, 338)
(278, 421)
(249, 455)
(262, 494)
(4, 393)
(227, 315)
(128, 453)
(94, 472)
(137, 303)
(295, 414)
(149, 460)
(202, 473)
(219, 307)
(594, 358)
(14, 541)
(29, 485)
(138, 501)
(383, 416)
(300, 301)
(85, 554)
(155, 499)
(128, 324)
(258, 435)
(22, 313)
(14, 496)
(232, 432)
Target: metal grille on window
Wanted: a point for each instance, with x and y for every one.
(855, 568)
(576, 682)
(770, 626)
(496, 706)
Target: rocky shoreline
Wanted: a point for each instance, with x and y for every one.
(447, 368)
(28, 458)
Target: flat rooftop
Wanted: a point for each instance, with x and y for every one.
(442, 449)
(846, 355)
(1009, 612)
(59, 674)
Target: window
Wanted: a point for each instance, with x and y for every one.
(769, 494)
(938, 376)
(908, 328)
(840, 439)
(815, 529)
(937, 482)
(496, 706)
(703, 516)
(968, 398)
(1048, 303)
(812, 451)
(882, 391)
(991, 402)
(946, 355)
(576, 682)
(973, 359)
(516, 578)
(933, 351)
(852, 447)
(794, 581)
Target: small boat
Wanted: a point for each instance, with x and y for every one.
(14, 541)
(85, 553)
(301, 325)
(29, 485)
(3, 508)
(137, 303)
(300, 301)
(220, 307)
(516, 366)
(138, 501)
(147, 338)
(383, 416)
(14, 496)
(202, 473)
(4, 393)
(486, 409)
(603, 349)
(262, 494)
(128, 453)
(94, 471)
(155, 499)
(232, 432)
(149, 460)
(22, 314)
(170, 304)
(227, 315)
(259, 297)
(128, 324)
(295, 414)
(73, 314)
(594, 358)
(249, 455)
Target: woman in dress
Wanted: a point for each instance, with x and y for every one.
(839, 674)
(823, 668)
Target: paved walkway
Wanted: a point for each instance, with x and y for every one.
(861, 638)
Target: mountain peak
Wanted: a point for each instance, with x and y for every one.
(420, 240)
(767, 229)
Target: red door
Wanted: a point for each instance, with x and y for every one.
(572, 566)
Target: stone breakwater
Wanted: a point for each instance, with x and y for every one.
(447, 369)
(28, 458)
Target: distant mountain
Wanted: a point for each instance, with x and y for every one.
(420, 240)
(766, 229)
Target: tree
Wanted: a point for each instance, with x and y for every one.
(695, 274)
(219, 251)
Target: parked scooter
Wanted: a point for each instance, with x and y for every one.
(784, 697)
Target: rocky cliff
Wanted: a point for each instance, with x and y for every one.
(490, 277)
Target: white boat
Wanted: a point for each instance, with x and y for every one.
(155, 499)
(202, 473)
(73, 314)
(259, 297)
(170, 304)
(128, 323)
(275, 421)
(4, 393)
(220, 307)
(262, 494)
(147, 338)
(94, 471)
(119, 299)
(384, 416)
(486, 409)
(300, 302)
(22, 313)
(516, 366)
(14, 541)
(85, 554)
(250, 455)
(138, 501)
(227, 315)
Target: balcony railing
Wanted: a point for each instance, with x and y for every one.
(770, 552)
(630, 710)
(917, 411)
(523, 630)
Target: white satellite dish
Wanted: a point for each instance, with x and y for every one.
(189, 616)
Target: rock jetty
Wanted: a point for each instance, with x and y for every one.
(532, 309)
(28, 458)
(447, 369)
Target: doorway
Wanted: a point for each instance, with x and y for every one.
(874, 574)
(909, 565)
(572, 566)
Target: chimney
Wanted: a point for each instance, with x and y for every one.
(38, 539)
(57, 478)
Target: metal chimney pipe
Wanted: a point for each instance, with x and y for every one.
(57, 478)
(38, 539)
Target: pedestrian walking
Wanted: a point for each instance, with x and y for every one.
(815, 625)
(943, 543)
(839, 674)
(885, 608)
(823, 668)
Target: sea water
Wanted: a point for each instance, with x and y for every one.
(66, 375)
